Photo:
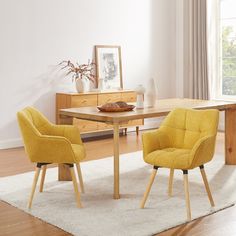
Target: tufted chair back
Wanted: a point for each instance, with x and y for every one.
(185, 127)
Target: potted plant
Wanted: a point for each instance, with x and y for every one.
(81, 74)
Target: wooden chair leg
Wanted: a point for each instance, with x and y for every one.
(44, 168)
(204, 177)
(186, 190)
(36, 176)
(145, 196)
(80, 177)
(77, 194)
(171, 177)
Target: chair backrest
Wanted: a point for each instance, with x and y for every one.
(32, 124)
(186, 126)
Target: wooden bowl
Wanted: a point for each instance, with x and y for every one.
(116, 109)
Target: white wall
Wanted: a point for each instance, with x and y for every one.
(163, 45)
(36, 35)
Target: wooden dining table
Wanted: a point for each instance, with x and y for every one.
(162, 108)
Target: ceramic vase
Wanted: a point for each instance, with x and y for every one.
(140, 90)
(100, 84)
(151, 94)
(82, 85)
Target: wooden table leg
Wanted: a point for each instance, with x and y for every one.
(64, 170)
(230, 140)
(116, 160)
(64, 173)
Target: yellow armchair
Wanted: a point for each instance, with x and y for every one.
(185, 140)
(46, 143)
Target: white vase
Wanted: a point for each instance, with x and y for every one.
(151, 94)
(100, 84)
(140, 90)
(82, 85)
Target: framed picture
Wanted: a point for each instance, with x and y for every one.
(109, 68)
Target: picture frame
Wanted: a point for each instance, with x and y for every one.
(108, 67)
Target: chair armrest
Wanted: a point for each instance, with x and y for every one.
(70, 132)
(52, 149)
(154, 140)
(203, 151)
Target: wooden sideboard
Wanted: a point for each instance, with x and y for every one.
(72, 100)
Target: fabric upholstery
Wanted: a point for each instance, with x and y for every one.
(48, 143)
(185, 139)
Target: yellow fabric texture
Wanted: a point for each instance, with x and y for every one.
(48, 143)
(185, 139)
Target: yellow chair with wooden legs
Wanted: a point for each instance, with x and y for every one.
(46, 143)
(185, 140)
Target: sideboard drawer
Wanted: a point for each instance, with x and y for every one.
(111, 97)
(133, 123)
(84, 100)
(85, 125)
(128, 97)
(104, 126)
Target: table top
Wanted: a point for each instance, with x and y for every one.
(162, 108)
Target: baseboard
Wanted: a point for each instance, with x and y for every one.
(11, 143)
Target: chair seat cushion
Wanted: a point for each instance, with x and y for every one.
(170, 158)
(79, 152)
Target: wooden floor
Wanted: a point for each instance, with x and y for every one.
(17, 222)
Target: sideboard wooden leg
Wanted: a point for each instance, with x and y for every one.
(137, 130)
(125, 131)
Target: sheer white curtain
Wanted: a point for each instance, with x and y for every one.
(214, 45)
(213, 42)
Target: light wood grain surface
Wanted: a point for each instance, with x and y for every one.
(163, 107)
(92, 99)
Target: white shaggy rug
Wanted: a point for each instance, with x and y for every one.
(101, 215)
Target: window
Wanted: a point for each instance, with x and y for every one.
(227, 76)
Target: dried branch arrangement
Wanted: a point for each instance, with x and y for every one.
(78, 71)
